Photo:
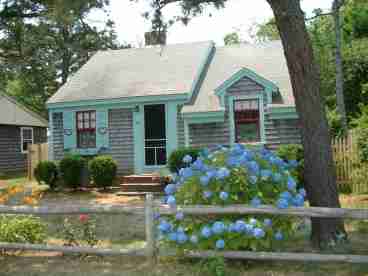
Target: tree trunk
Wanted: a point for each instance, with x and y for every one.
(339, 70)
(320, 177)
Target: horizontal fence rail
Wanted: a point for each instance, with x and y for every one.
(151, 251)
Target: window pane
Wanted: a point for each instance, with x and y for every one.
(248, 132)
(80, 124)
(86, 139)
(93, 124)
(27, 134)
(93, 115)
(150, 156)
(25, 145)
(80, 116)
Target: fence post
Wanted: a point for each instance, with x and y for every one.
(150, 228)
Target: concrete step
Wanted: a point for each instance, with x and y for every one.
(137, 179)
(142, 187)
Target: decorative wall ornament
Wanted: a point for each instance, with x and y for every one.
(68, 132)
(102, 130)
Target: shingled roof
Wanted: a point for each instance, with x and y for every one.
(174, 70)
(13, 113)
(150, 71)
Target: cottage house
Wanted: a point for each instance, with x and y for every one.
(19, 127)
(139, 105)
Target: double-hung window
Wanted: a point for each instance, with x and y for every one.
(86, 129)
(26, 136)
(247, 121)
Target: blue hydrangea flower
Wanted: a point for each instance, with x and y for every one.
(204, 179)
(181, 238)
(258, 233)
(156, 215)
(266, 174)
(255, 202)
(220, 244)
(286, 195)
(253, 179)
(298, 200)
(206, 232)
(171, 201)
(207, 194)
(233, 161)
(278, 236)
(186, 172)
(198, 164)
(277, 177)
(232, 227)
(173, 236)
(218, 227)
(240, 226)
(291, 184)
(293, 163)
(170, 189)
(253, 167)
(249, 229)
(302, 192)
(179, 215)
(222, 173)
(282, 203)
(211, 173)
(194, 239)
(252, 221)
(204, 152)
(224, 195)
(180, 230)
(164, 226)
(267, 222)
(187, 159)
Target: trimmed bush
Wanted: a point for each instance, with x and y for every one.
(231, 176)
(22, 229)
(71, 167)
(291, 153)
(102, 170)
(176, 158)
(46, 173)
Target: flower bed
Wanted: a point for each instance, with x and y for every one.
(226, 176)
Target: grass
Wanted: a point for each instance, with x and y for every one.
(14, 178)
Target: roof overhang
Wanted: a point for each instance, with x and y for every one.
(268, 85)
(204, 117)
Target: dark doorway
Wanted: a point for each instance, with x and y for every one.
(154, 135)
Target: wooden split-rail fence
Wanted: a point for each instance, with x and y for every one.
(151, 249)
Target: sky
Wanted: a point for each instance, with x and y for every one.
(238, 15)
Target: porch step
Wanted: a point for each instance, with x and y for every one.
(142, 188)
(137, 179)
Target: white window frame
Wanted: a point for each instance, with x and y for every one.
(21, 138)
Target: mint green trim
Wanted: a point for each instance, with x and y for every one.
(283, 112)
(69, 129)
(102, 135)
(50, 138)
(120, 102)
(171, 128)
(201, 72)
(204, 117)
(269, 86)
(138, 135)
(231, 100)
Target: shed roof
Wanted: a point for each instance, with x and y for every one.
(267, 60)
(150, 71)
(13, 113)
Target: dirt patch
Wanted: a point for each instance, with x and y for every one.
(3, 184)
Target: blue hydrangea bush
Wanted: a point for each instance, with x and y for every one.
(225, 176)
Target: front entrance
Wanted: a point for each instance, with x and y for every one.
(155, 135)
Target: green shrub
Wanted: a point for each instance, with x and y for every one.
(102, 170)
(71, 167)
(22, 229)
(362, 141)
(176, 158)
(46, 173)
(294, 152)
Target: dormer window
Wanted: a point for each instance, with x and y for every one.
(247, 121)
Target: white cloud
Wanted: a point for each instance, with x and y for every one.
(213, 25)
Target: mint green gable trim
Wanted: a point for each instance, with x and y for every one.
(138, 135)
(201, 72)
(186, 133)
(261, 115)
(269, 86)
(119, 102)
(171, 128)
(204, 117)
(283, 112)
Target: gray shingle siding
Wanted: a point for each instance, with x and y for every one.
(282, 131)
(209, 135)
(11, 157)
(180, 128)
(121, 139)
(245, 86)
(57, 132)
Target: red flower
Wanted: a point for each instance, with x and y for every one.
(83, 218)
